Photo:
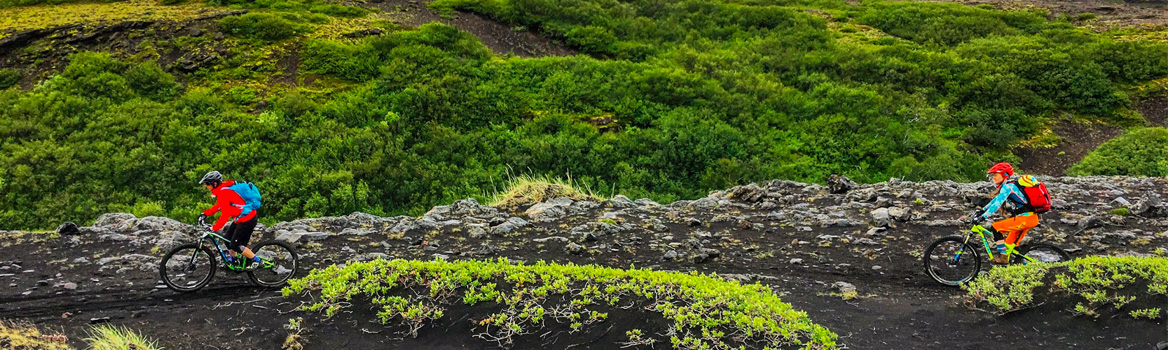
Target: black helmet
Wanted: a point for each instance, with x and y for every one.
(212, 178)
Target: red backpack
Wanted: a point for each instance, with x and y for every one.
(1037, 198)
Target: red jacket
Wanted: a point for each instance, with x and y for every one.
(228, 204)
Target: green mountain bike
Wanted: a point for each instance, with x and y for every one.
(953, 260)
(189, 267)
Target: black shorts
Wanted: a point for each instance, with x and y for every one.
(240, 233)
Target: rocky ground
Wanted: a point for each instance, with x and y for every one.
(802, 239)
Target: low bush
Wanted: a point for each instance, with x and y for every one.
(704, 312)
(1126, 285)
(8, 78)
(262, 26)
(1139, 152)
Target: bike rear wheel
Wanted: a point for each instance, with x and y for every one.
(1042, 252)
(280, 263)
(187, 268)
(950, 261)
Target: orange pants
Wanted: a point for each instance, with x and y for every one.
(1016, 227)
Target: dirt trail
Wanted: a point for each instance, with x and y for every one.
(793, 237)
(498, 37)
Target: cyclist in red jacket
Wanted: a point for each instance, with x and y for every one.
(230, 207)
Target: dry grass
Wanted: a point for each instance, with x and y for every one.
(24, 18)
(526, 190)
(25, 336)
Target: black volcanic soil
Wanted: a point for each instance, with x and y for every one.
(900, 307)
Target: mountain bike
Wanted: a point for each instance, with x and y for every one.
(191, 266)
(953, 260)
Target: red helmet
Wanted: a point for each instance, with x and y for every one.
(1002, 168)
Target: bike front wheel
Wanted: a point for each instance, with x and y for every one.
(950, 261)
(278, 264)
(187, 268)
(1042, 252)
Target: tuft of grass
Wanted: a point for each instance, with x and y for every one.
(527, 190)
(27, 336)
(108, 337)
(1119, 211)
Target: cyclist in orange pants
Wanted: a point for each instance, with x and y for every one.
(1010, 231)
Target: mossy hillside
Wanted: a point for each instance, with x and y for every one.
(703, 310)
(1132, 286)
(330, 116)
(16, 19)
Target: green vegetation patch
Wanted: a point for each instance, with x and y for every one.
(21, 336)
(1094, 284)
(8, 78)
(705, 312)
(1138, 152)
(264, 26)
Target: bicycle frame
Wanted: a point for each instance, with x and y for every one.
(985, 242)
(214, 238)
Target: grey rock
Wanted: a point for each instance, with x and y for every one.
(881, 217)
(1150, 206)
(703, 204)
(477, 232)
(69, 286)
(157, 223)
(508, 226)
(843, 287)
(68, 228)
(549, 210)
(749, 193)
(354, 232)
(574, 248)
(877, 231)
(620, 201)
(839, 184)
(671, 255)
(552, 238)
(693, 222)
(112, 220)
(796, 261)
(1090, 222)
(1121, 201)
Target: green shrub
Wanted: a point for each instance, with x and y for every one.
(262, 26)
(1100, 282)
(526, 298)
(8, 78)
(1139, 152)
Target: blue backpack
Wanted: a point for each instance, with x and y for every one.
(250, 194)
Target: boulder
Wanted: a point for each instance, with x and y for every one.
(1150, 206)
(68, 228)
(839, 184)
(749, 193)
(115, 220)
(549, 210)
(158, 223)
(620, 201)
(508, 226)
(881, 217)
